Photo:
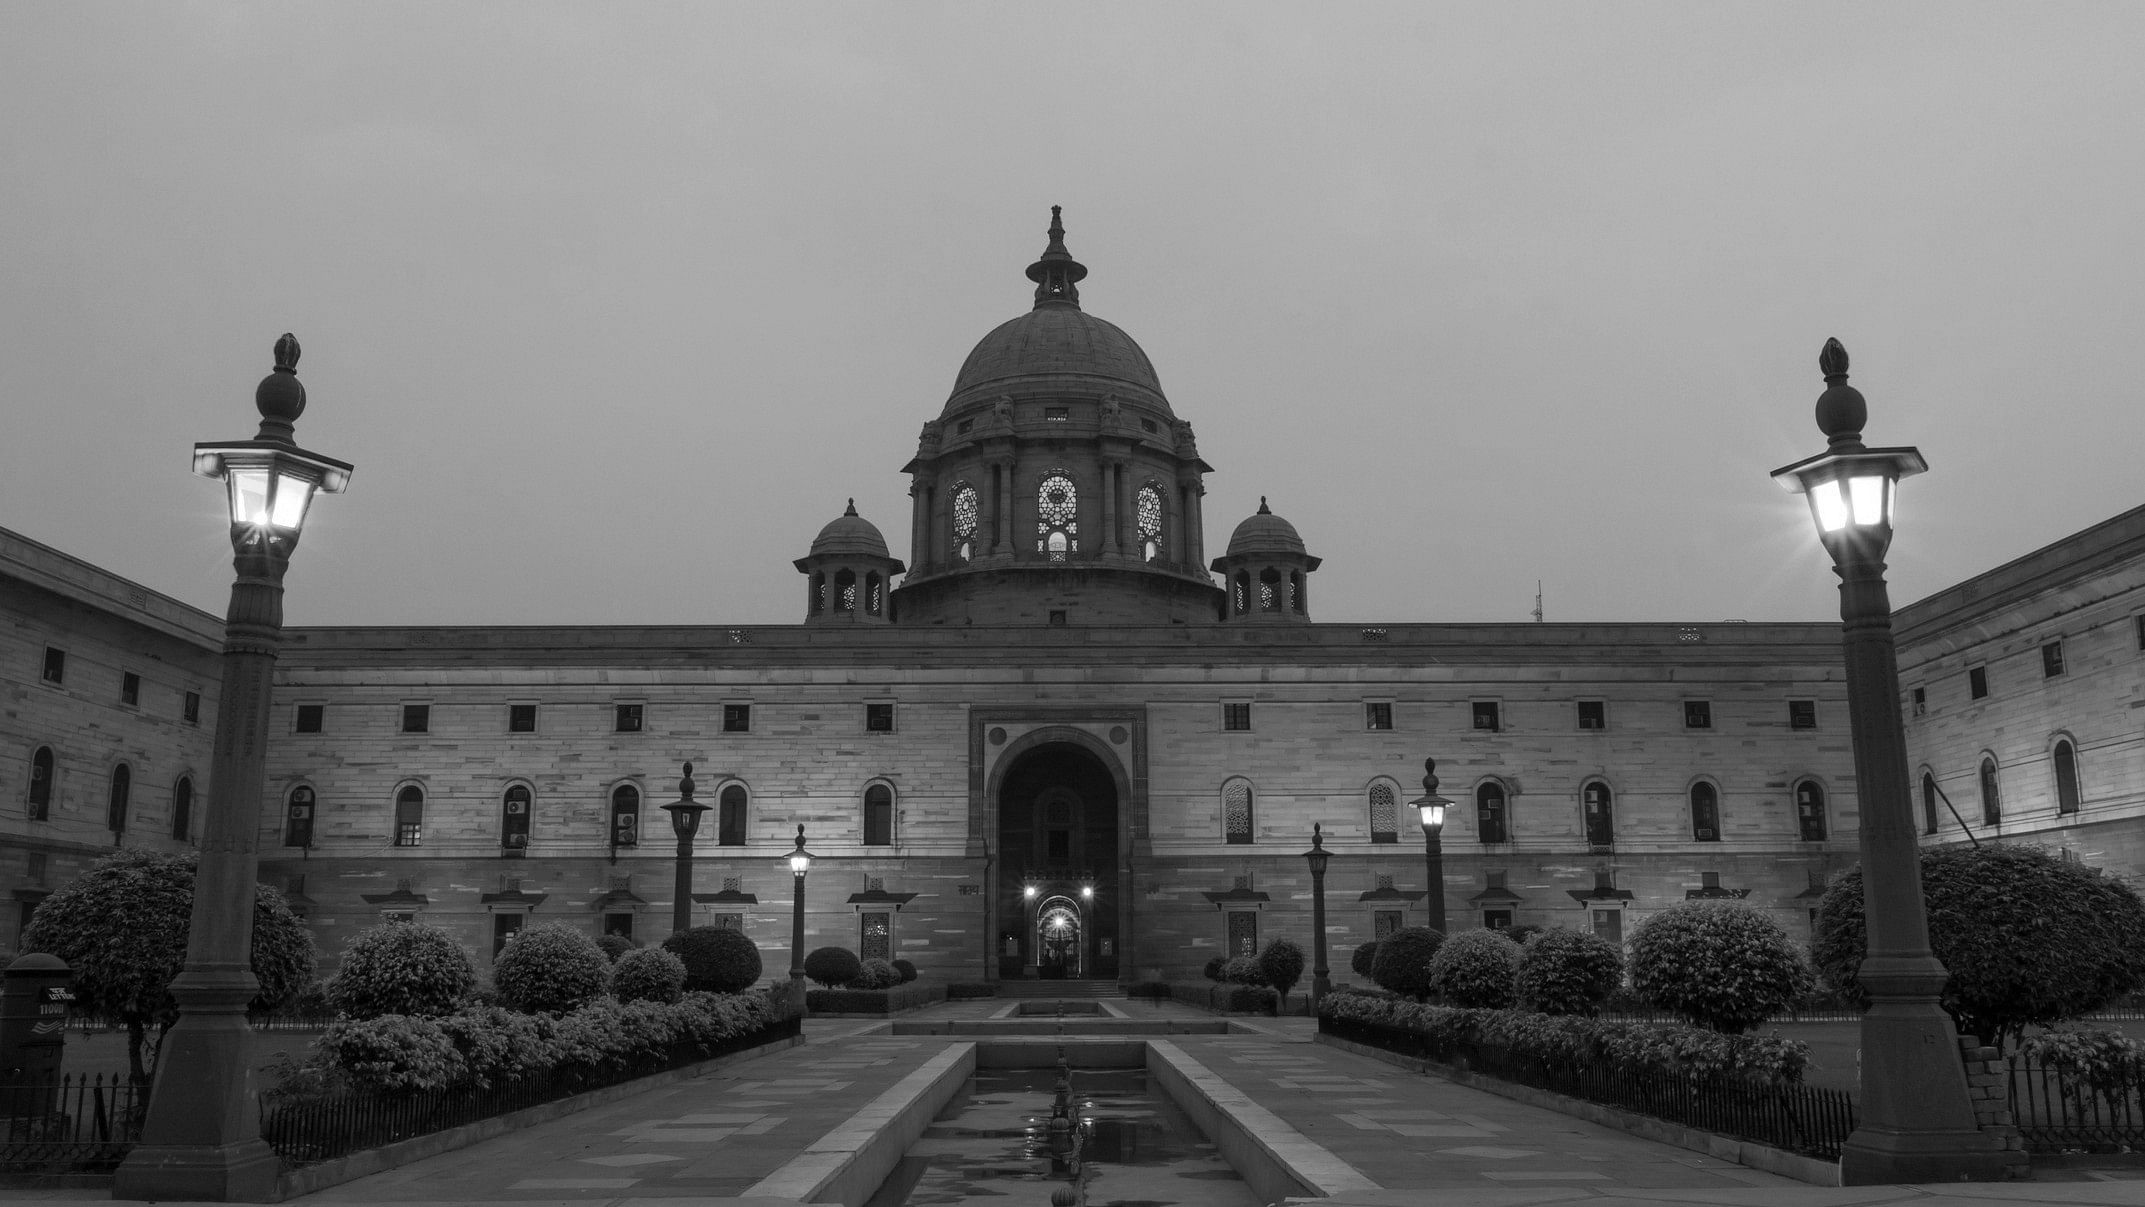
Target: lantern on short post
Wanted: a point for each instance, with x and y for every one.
(1431, 807)
(800, 862)
(685, 815)
(1321, 974)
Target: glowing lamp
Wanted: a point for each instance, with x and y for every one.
(800, 860)
(1851, 488)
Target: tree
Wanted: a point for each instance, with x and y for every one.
(1475, 969)
(1364, 956)
(401, 968)
(1281, 964)
(832, 967)
(2029, 940)
(717, 959)
(122, 925)
(649, 974)
(1403, 961)
(1721, 964)
(550, 969)
(1564, 971)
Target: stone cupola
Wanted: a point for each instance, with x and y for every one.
(1265, 571)
(852, 576)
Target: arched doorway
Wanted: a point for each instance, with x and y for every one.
(1058, 814)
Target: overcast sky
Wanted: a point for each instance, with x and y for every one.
(614, 306)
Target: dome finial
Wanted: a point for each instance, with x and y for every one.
(1841, 411)
(1057, 275)
(852, 508)
(1263, 508)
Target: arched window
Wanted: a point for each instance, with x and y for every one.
(874, 593)
(845, 590)
(115, 806)
(182, 809)
(1296, 601)
(1057, 517)
(41, 776)
(410, 816)
(1149, 510)
(298, 817)
(878, 816)
(2066, 760)
(818, 601)
(1810, 811)
(625, 816)
(1928, 803)
(1991, 801)
(514, 818)
(1236, 808)
(1269, 590)
(1384, 813)
(1490, 820)
(1600, 813)
(964, 521)
(1240, 595)
(730, 815)
(1705, 812)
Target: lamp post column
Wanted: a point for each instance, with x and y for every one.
(800, 862)
(1432, 810)
(1321, 971)
(685, 814)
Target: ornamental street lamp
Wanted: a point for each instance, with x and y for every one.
(201, 1138)
(1432, 807)
(800, 862)
(685, 813)
(1321, 974)
(1917, 1123)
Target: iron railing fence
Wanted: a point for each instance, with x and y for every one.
(309, 1131)
(1799, 1118)
(2060, 1111)
(76, 1124)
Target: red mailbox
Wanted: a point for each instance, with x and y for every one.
(33, 1032)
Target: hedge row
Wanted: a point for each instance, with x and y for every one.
(891, 1000)
(1577, 1040)
(1227, 998)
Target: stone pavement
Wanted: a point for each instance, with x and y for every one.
(1419, 1139)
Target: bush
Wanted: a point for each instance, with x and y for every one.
(1403, 961)
(1365, 955)
(1475, 969)
(1563, 971)
(1214, 967)
(1242, 970)
(963, 990)
(1281, 966)
(648, 974)
(1523, 932)
(832, 967)
(552, 969)
(1721, 964)
(875, 974)
(121, 926)
(906, 969)
(615, 946)
(717, 960)
(891, 1000)
(2028, 939)
(401, 968)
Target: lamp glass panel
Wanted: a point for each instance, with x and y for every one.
(1433, 816)
(1867, 491)
(249, 496)
(800, 863)
(1828, 504)
(292, 494)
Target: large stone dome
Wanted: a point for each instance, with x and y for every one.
(1056, 341)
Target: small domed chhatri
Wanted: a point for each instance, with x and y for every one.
(851, 573)
(849, 533)
(1265, 532)
(1265, 569)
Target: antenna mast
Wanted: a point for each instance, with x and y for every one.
(1537, 601)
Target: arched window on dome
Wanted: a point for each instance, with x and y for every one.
(1149, 511)
(1269, 590)
(1057, 517)
(964, 521)
(845, 590)
(874, 593)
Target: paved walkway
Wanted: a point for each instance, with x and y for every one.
(1421, 1139)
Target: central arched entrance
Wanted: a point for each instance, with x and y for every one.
(1058, 813)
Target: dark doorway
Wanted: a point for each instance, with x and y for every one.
(1057, 827)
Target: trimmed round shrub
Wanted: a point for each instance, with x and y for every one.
(1214, 966)
(717, 960)
(1365, 955)
(906, 969)
(615, 946)
(2028, 939)
(1403, 961)
(550, 969)
(1564, 971)
(1523, 932)
(1475, 969)
(401, 968)
(1721, 964)
(832, 967)
(876, 974)
(1281, 966)
(648, 974)
(1242, 970)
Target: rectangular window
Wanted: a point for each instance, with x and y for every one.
(521, 718)
(1496, 919)
(309, 717)
(130, 689)
(629, 718)
(1593, 714)
(878, 718)
(620, 924)
(1609, 924)
(1698, 714)
(1486, 715)
(55, 665)
(1921, 701)
(879, 819)
(1057, 414)
(1977, 682)
(1236, 716)
(192, 709)
(1385, 921)
(416, 718)
(737, 718)
(1802, 714)
(1243, 933)
(504, 928)
(876, 942)
(1378, 715)
(2051, 659)
(298, 822)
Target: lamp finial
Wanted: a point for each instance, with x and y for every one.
(280, 398)
(1318, 838)
(1430, 776)
(1841, 411)
(685, 786)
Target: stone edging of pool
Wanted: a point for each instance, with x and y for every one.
(848, 1164)
(1746, 1153)
(308, 1178)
